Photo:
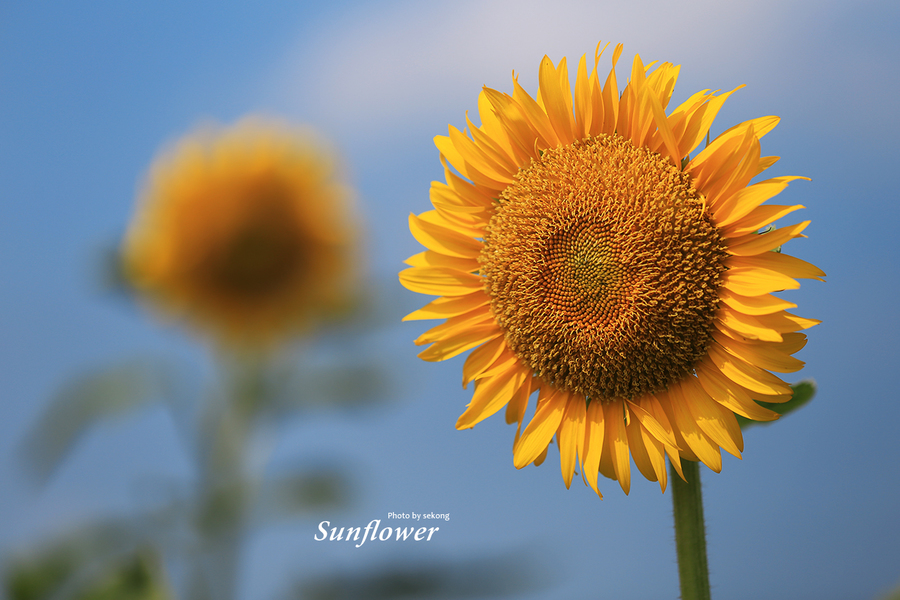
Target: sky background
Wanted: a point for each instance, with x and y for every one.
(88, 95)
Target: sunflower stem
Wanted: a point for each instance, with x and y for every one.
(690, 532)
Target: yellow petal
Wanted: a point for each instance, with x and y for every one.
(732, 173)
(430, 258)
(535, 116)
(611, 96)
(617, 444)
(460, 342)
(522, 135)
(765, 355)
(664, 129)
(765, 304)
(740, 204)
(491, 394)
(494, 150)
(753, 243)
(705, 120)
(444, 308)
(451, 153)
(745, 374)
(553, 96)
(443, 239)
(729, 394)
(594, 433)
(780, 262)
(656, 454)
(440, 281)
(757, 282)
(582, 100)
(541, 429)
(639, 451)
(747, 326)
(481, 359)
(662, 82)
(758, 218)
(466, 190)
(515, 408)
(716, 422)
(698, 442)
(761, 126)
(503, 363)
(650, 423)
(480, 167)
(571, 437)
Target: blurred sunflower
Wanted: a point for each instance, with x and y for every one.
(587, 256)
(244, 232)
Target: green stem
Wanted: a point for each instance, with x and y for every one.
(690, 532)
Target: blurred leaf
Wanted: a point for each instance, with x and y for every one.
(803, 393)
(296, 494)
(892, 595)
(85, 402)
(345, 386)
(111, 271)
(508, 576)
(101, 562)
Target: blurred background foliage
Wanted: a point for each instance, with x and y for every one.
(260, 260)
(225, 433)
(190, 545)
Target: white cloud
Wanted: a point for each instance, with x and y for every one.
(384, 64)
(378, 68)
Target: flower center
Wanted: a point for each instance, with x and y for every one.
(603, 268)
(261, 256)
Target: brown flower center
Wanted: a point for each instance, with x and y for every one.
(603, 268)
(263, 253)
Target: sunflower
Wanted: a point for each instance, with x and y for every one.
(585, 251)
(245, 232)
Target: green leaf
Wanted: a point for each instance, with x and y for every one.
(85, 402)
(292, 495)
(803, 393)
(506, 576)
(103, 561)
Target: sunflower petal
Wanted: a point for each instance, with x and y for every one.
(758, 218)
(753, 243)
(430, 258)
(540, 430)
(765, 304)
(757, 282)
(699, 443)
(729, 394)
(491, 394)
(594, 432)
(617, 444)
(553, 95)
(515, 408)
(639, 451)
(571, 437)
(443, 239)
(440, 281)
(482, 358)
(782, 263)
(716, 422)
(446, 307)
(744, 374)
(762, 354)
(460, 342)
(649, 422)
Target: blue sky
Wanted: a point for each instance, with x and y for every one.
(89, 94)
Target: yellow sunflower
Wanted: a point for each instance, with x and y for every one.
(587, 255)
(246, 232)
